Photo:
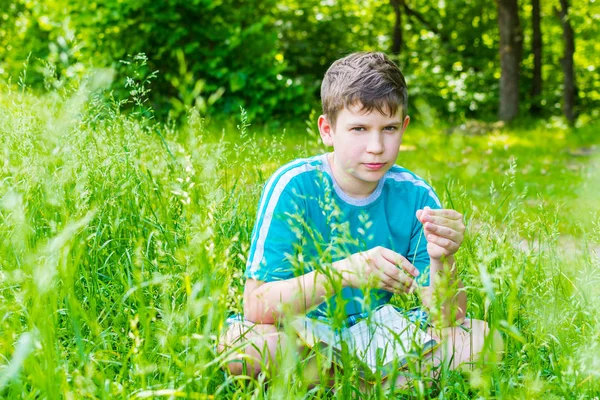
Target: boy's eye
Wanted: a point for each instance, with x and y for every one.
(358, 129)
(390, 128)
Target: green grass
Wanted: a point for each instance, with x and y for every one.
(122, 248)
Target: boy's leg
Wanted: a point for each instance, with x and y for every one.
(252, 347)
(463, 345)
(257, 347)
(460, 347)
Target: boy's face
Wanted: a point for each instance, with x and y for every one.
(365, 145)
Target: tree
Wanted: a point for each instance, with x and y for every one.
(269, 56)
(568, 66)
(536, 48)
(511, 43)
(397, 39)
(313, 34)
(400, 6)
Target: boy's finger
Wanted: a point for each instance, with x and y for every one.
(389, 270)
(400, 262)
(440, 212)
(390, 285)
(450, 223)
(393, 289)
(442, 231)
(446, 243)
(446, 213)
(401, 288)
(397, 276)
(410, 268)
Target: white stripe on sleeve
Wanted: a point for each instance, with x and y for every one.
(267, 216)
(408, 177)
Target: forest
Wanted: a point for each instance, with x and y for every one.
(464, 59)
(138, 136)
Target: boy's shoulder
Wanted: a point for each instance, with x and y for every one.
(295, 170)
(402, 179)
(301, 163)
(304, 176)
(398, 174)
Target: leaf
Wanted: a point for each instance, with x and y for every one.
(237, 81)
(22, 350)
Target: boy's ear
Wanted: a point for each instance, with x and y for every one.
(405, 123)
(326, 131)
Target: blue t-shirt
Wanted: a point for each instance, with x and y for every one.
(305, 222)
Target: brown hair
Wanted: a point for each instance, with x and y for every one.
(368, 78)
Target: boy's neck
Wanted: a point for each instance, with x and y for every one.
(349, 184)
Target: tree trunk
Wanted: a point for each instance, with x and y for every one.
(570, 89)
(398, 40)
(536, 48)
(511, 43)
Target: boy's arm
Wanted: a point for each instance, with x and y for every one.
(446, 284)
(265, 302)
(379, 267)
(444, 231)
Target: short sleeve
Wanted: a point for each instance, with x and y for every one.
(277, 233)
(417, 254)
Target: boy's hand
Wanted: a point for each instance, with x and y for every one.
(444, 231)
(380, 268)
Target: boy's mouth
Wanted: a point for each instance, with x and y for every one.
(374, 166)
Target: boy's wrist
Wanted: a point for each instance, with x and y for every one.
(341, 271)
(443, 259)
(438, 265)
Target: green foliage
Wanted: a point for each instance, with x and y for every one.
(454, 70)
(123, 241)
(584, 19)
(338, 28)
(97, 271)
(269, 57)
(198, 47)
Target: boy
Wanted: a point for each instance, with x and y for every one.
(340, 233)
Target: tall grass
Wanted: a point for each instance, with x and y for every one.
(123, 243)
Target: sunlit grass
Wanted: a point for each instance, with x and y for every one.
(123, 242)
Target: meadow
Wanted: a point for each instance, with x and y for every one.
(123, 244)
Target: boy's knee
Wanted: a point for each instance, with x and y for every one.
(251, 348)
(489, 341)
(479, 332)
(238, 367)
(498, 345)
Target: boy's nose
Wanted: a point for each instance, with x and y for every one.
(375, 144)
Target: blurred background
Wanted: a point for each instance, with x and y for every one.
(463, 59)
(136, 137)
